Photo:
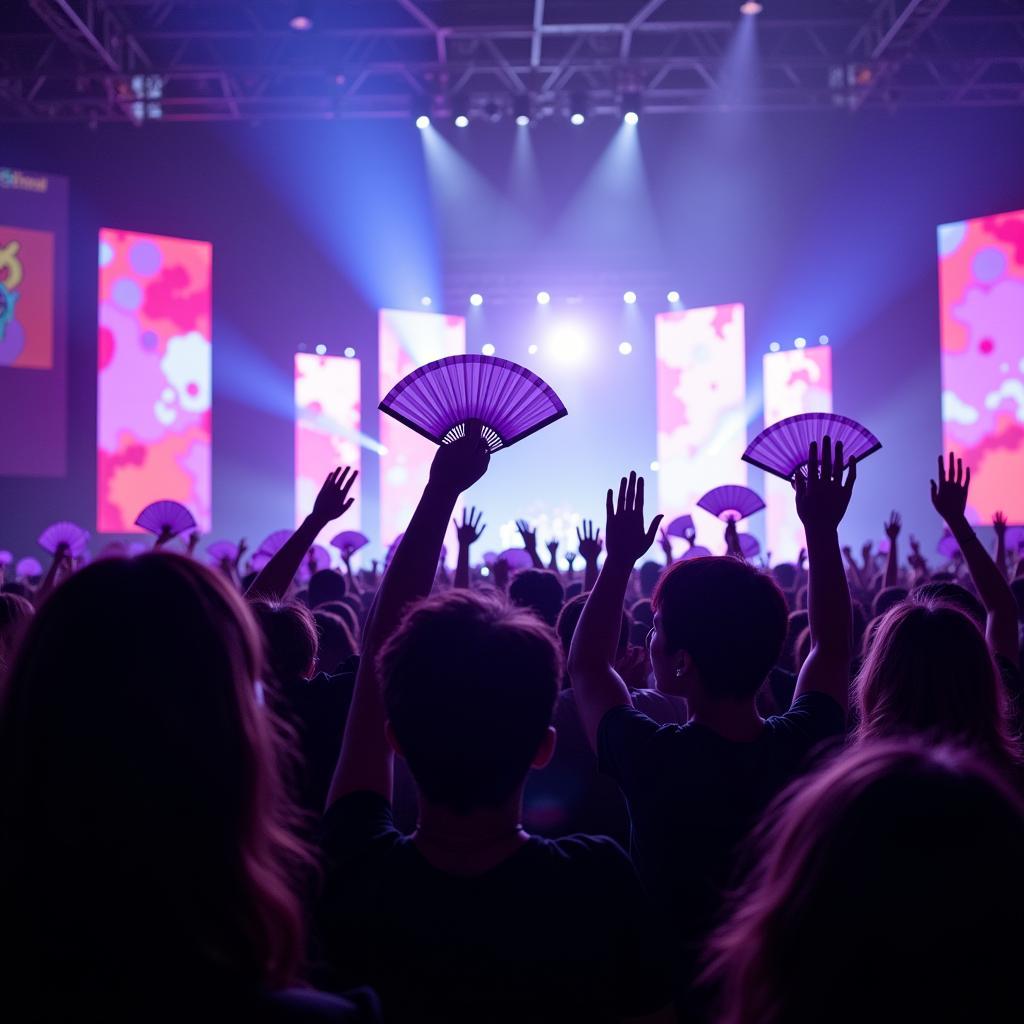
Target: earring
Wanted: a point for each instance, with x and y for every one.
(679, 672)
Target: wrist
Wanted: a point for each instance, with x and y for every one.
(618, 564)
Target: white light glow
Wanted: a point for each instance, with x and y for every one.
(321, 350)
(476, 299)
(800, 343)
(487, 350)
(673, 296)
(462, 121)
(350, 352)
(629, 298)
(532, 350)
(631, 117)
(422, 122)
(774, 347)
(426, 301)
(823, 340)
(523, 120)
(567, 342)
(577, 118)
(301, 23)
(543, 298)
(655, 466)
(625, 348)
(751, 7)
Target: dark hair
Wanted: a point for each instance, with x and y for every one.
(539, 590)
(326, 585)
(569, 617)
(334, 641)
(785, 575)
(907, 858)
(290, 637)
(649, 574)
(147, 838)
(469, 684)
(642, 615)
(729, 617)
(886, 598)
(15, 614)
(952, 594)
(344, 611)
(573, 590)
(17, 588)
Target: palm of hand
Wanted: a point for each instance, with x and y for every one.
(949, 495)
(821, 497)
(458, 465)
(627, 537)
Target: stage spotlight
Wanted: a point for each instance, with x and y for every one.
(350, 352)
(629, 298)
(461, 121)
(577, 108)
(301, 19)
(631, 108)
(521, 109)
(487, 350)
(800, 343)
(751, 7)
(631, 117)
(577, 118)
(823, 340)
(532, 350)
(426, 301)
(423, 122)
(567, 342)
(774, 347)
(543, 298)
(625, 348)
(321, 350)
(655, 466)
(476, 299)
(673, 296)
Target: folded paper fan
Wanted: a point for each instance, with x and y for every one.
(274, 542)
(439, 398)
(222, 551)
(731, 502)
(6, 558)
(696, 552)
(680, 526)
(350, 541)
(782, 448)
(947, 546)
(517, 559)
(170, 517)
(750, 546)
(73, 537)
(28, 567)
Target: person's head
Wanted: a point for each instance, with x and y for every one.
(785, 576)
(15, 613)
(719, 625)
(334, 641)
(146, 835)
(469, 685)
(290, 639)
(1017, 586)
(539, 590)
(928, 671)
(642, 615)
(574, 589)
(325, 585)
(18, 588)
(344, 612)
(649, 574)
(953, 594)
(570, 616)
(886, 598)
(886, 889)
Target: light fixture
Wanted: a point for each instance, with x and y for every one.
(321, 350)
(655, 466)
(577, 108)
(673, 296)
(774, 347)
(423, 122)
(566, 342)
(631, 108)
(631, 117)
(487, 350)
(461, 121)
(521, 110)
(823, 340)
(476, 299)
(301, 19)
(625, 348)
(751, 7)
(532, 350)
(350, 352)
(800, 343)
(629, 298)
(543, 298)
(426, 301)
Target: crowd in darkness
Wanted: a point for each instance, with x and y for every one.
(700, 790)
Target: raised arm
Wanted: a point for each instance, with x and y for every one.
(590, 551)
(61, 564)
(892, 566)
(467, 535)
(821, 502)
(949, 496)
(331, 503)
(366, 759)
(999, 525)
(552, 547)
(666, 547)
(732, 541)
(596, 684)
(529, 542)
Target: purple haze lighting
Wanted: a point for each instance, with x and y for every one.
(782, 448)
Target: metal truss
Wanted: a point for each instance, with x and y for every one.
(227, 60)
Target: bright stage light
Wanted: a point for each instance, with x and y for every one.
(462, 121)
(823, 340)
(487, 350)
(521, 109)
(631, 117)
(350, 352)
(523, 120)
(655, 466)
(476, 299)
(629, 298)
(321, 350)
(774, 347)
(426, 301)
(673, 296)
(300, 22)
(625, 348)
(543, 298)
(567, 342)
(532, 350)
(423, 122)
(800, 343)
(751, 7)
(577, 118)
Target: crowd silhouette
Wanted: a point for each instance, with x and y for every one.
(644, 789)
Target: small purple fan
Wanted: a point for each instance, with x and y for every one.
(170, 517)
(731, 502)
(782, 448)
(28, 567)
(6, 558)
(73, 537)
(490, 557)
(750, 546)
(696, 552)
(222, 551)
(947, 546)
(517, 559)
(680, 526)
(510, 401)
(274, 542)
(348, 542)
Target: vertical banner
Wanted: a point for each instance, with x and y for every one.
(981, 284)
(406, 341)
(702, 426)
(153, 416)
(795, 382)
(327, 424)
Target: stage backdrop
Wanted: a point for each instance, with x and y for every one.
(153, 417)
(981, 282)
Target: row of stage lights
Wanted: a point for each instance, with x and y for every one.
(577, 112)
(544, 299)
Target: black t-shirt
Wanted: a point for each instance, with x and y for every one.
(558, 931)
(693, 796)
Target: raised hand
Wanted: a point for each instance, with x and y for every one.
(999, 525)
(865, 553)
(589, 542)
(333, 500)
(570, 558)
(892, 527)
(627, 538)
(193, 542)
(500, 573)
(470, 530)
(457, 466)
(166, 535)
(822, 497)
(552, 546)
(666, 546)
(949, 495)
(690, 535)
(529, 536)
(732, 539)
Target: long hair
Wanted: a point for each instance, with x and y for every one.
(886, 888)
(146, 836)
(929, 671)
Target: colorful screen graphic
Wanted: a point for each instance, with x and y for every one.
(702, 426)
(795, 382)
(153, 416)
(33, 320)
(406, 341)
(327, 417)
(981, 285)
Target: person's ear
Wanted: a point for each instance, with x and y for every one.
(392, 739)
(546, 750)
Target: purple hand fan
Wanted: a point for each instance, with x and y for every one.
(490, 557)
(696, 552)
(169, 517)
(750, 546)
(947, 546)
(222, 551)
(436, 400)
(73, 537)
(517, 559)
(731, 502)
(28, 567)
(274, 542)
(782, 448)
(680, 526)
(320, 558)
(350, 541)
(6, 558)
